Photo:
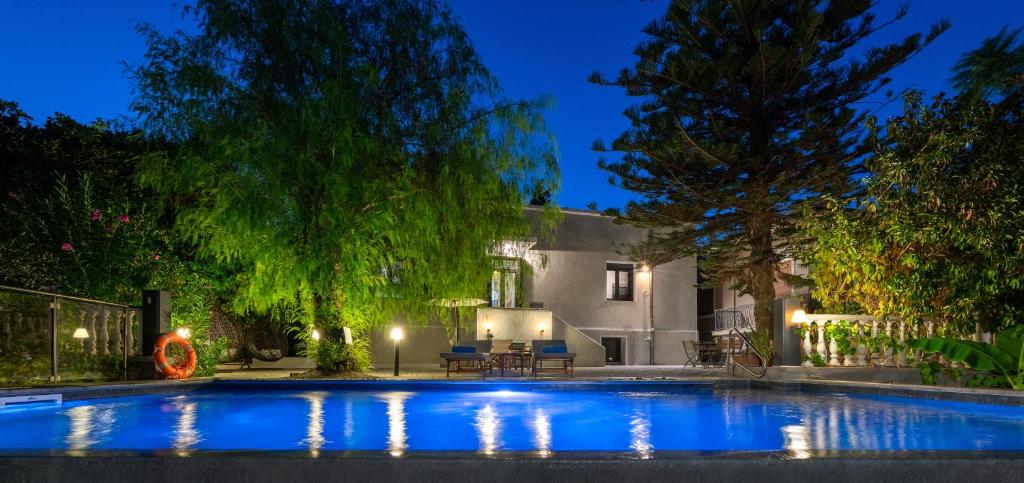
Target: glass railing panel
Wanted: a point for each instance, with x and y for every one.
(25, 339)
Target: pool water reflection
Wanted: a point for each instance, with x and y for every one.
(398, 420)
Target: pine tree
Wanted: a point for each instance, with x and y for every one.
(747, 112)
(994, 68)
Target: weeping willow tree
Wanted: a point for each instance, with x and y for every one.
(353, 159)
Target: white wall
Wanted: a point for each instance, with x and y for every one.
(572, 286)
(521, 325)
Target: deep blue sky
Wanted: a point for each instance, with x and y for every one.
(66, 56)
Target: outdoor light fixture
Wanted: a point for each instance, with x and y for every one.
(540, 327)
(184, 332)
(487, 325)
(81, 333)
(396, 335)
(799, 317)
(315, 335)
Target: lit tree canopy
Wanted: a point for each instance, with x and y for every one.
(354, 158)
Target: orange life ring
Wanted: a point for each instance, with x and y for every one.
(181, 370)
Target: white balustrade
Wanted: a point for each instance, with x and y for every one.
(808, 348)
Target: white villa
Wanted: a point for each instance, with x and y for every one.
(578, 287)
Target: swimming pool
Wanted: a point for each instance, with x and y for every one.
(495, 418)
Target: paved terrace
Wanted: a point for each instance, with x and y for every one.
(432, 372)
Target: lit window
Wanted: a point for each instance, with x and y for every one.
(619, 281)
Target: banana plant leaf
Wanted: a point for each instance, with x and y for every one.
(980, 356)
(1012, 341)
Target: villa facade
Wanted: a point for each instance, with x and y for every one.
(577, 285)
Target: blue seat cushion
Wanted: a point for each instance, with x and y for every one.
(463, 348)
(554, 349)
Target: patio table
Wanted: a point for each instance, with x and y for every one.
(506, 359)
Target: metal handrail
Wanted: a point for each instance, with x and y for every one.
(732, 360)
(62, 296)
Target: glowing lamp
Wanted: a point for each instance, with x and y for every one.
(396, 335)
(799, 317)
(81, 333)
(184, 332)
(315, 335)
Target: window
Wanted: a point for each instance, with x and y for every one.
(619, 281)
(504, 280)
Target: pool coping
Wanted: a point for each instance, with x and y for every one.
(562, 466)
(971, 395)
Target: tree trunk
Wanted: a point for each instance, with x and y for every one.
(762, 279)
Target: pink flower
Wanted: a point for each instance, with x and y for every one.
(95, 215)
(12, 195)
(156, 257)
(67, 247)
(123, 218)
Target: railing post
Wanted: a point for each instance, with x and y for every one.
(862, 348)
(874, 334)
(125, 343)
(54, 315)
(808, 348)
(901, 356)
(833, 349)
(821, 339)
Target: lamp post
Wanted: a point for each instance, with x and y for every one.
(396, 335)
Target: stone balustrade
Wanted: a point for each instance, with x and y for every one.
(877, 343)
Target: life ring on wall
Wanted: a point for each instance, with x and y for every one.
(181, 370)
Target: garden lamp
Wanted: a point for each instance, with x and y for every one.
(396, 335)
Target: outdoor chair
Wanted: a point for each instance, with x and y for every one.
(552, 350)
(474, 354)
(499, 346)
(691, 352)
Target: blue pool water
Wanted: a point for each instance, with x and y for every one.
(641, 419)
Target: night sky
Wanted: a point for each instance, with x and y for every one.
(67, 56)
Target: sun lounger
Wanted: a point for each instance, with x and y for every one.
(471, 356)
(552, 350)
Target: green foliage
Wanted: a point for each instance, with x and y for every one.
(72, 221)
(354, 159)
(209, 353)
(334, 356)
(1005, 358)
(746, 114)
(845, 336)
(936, 236)
(818, 360)
(762, 341)
(929, 372)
